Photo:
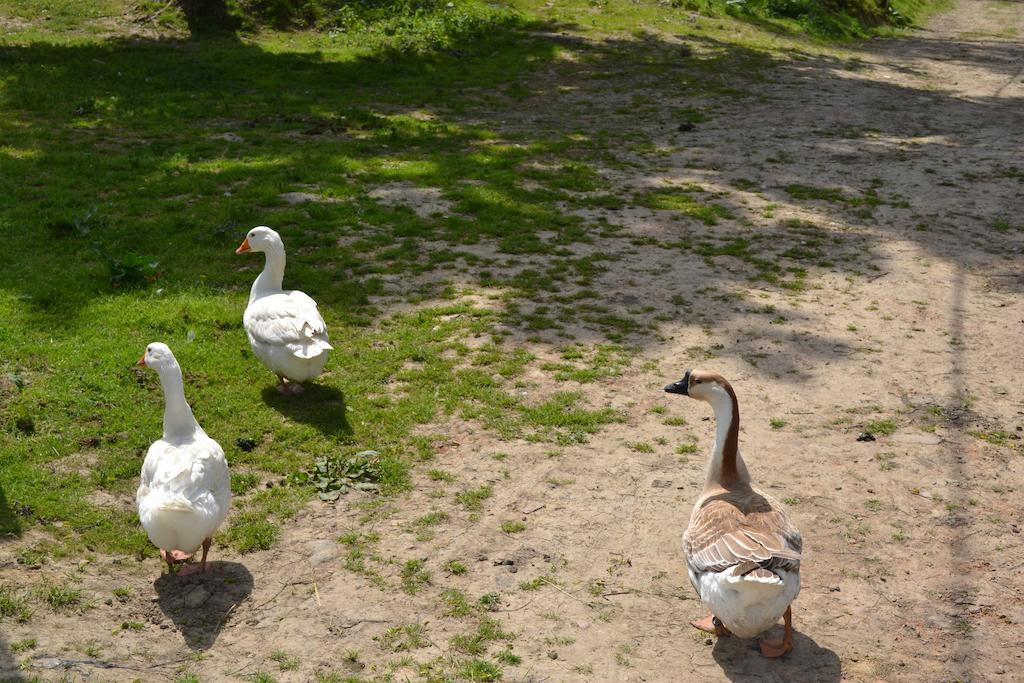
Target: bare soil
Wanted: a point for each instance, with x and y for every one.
(913, 546)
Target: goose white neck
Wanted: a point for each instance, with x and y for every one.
(179, 423)
(271, 279)
(726, 466)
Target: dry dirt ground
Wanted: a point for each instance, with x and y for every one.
(913, 550)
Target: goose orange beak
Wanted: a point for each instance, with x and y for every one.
(243, 247)
(142, 361)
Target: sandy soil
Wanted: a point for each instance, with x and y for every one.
(913, 548)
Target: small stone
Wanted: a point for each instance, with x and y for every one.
(552, 654)
(197, 597)
(686, 126)
(866, 436)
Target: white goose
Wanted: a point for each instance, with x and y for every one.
(184, 491)
(742, 551)
(285, 329)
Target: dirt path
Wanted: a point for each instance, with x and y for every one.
(913, 544)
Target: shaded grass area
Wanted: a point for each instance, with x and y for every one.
(134, 166)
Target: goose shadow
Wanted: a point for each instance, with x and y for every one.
(809, 662)
(199, 604)
(319, 406)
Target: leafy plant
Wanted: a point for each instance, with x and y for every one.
(333, 477)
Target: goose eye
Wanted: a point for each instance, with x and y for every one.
(697, 381)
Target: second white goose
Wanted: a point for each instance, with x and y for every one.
(285, 328)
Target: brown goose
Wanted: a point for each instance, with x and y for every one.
(742, 551)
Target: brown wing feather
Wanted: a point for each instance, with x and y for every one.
(745, 528)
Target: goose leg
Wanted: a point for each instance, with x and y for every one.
(206, 549)
(287, 388)
(166, 557)
(781, 647)
(711, 624)
(199, 568)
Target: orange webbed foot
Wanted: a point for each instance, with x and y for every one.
(711, 624)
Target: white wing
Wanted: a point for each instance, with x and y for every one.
(290, 320)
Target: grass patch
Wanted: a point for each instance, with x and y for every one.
(414, 576)
(455, 567)
(62, 596)
(403, 638)
(473, 499)
(683, 202)
(14, 605)
(881, 427)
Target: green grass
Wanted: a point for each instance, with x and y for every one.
(513, 526)
(414, 576)
(403, 638)
(881, 427)
(285, 662)
(472, 499)
(683, 202)
(455, 567)
(14, 605)
(62, 596)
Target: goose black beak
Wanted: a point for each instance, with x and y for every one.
(680, 387)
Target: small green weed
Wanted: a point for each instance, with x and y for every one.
(284, 661)
(455, 567)
(14, 604)
(472, 499)
(62, 596)
(403, 638)
(881, 427)
(414, 576)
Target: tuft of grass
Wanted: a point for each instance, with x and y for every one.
(414, 576)
(14, 605)
(403, 638)
(284, 661)
(513, 526)
(260, 677)
(440, 475)
(455, 567)
(479, 670)
(777, 423)
(23, 645)
(810, 192)
(508, 657)
(457, 604)
(472, 499)
(477, 643)
(881, 427)
(62, 596)
(683, 202)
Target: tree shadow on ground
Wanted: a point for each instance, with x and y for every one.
(301, 119)
(741, 661)
(319, 406)
(200, 604)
